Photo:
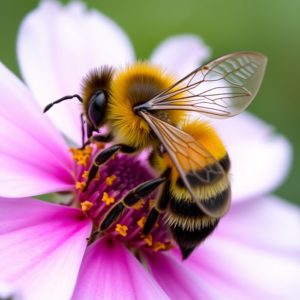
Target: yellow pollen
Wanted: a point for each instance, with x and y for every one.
(157, 246)
(141, 222)
(99, 145)
(148, 240)
(169, 246)
(87, 150)
(109, 180)
(107, 199)
(86, 205)
(97, 177)
(85, 174)
(138, 205)
(80, 185)
(121, 229)
(81, 156)
(151, 203)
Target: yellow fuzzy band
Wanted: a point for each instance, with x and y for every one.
(131, 86)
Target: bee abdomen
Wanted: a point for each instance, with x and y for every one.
(188, 224)
(207, 175)
(189, 240)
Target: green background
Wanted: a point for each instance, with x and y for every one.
(271, 27)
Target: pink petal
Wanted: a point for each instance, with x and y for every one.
(41, 247)
(181, 54)
(237, 269)
(34, 158)
(109, 271)
(260, 158)
(58, 45)
(178, 281)
(254, 253)
(268, 223)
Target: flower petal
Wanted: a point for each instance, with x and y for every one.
(41, 247)
(254, 253)
(268, 223)
(181, 54)
(178, 281)
(238, 271)
(260, 158)
(58, 45)
(109, 271)
(34, 158)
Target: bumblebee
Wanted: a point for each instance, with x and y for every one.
(143, 107)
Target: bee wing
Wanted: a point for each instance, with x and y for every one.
(189, 156)
(222, 88)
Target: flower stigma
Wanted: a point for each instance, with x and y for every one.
(114, 180)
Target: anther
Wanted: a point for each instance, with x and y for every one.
(148, 240)
(110, 180)
(80, 185)
(157, 246)
(86, 205)
(121, 229)
(107, 199)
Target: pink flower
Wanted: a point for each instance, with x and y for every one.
(253, 254)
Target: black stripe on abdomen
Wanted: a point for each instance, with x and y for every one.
(207, 175)
(189, 240)
(191, 209)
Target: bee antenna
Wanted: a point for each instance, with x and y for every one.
(47, 107)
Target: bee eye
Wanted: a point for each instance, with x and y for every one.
(97, 108)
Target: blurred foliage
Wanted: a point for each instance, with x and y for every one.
(271, 27)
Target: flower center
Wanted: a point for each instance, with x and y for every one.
(114, 180)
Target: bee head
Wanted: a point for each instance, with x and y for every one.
(96, 109)
(95, 95)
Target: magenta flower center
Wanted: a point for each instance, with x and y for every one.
(114, 180)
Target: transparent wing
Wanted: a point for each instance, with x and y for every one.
(222, 88)
(194, 163)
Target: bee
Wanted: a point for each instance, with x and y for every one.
(143, 107)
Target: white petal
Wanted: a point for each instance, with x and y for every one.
(267, 223)
(254, 252)
(58, 45)
(255, 273)
(260, 158)
(181, 54)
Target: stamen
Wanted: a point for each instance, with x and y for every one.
(109, 180)
(85, 174)
(81, 156)
(121, 229)
(141, 222)
(157, 246)
(107, 199)
(86, 205)
(80, 185)
(151, 203)
(138, 205)
(148, 239)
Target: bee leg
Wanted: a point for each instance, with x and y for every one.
(102, 138)
(89, 128)
(98, 138)
(82, 131)
(131, 198)
(159, 208)
(103, 157)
